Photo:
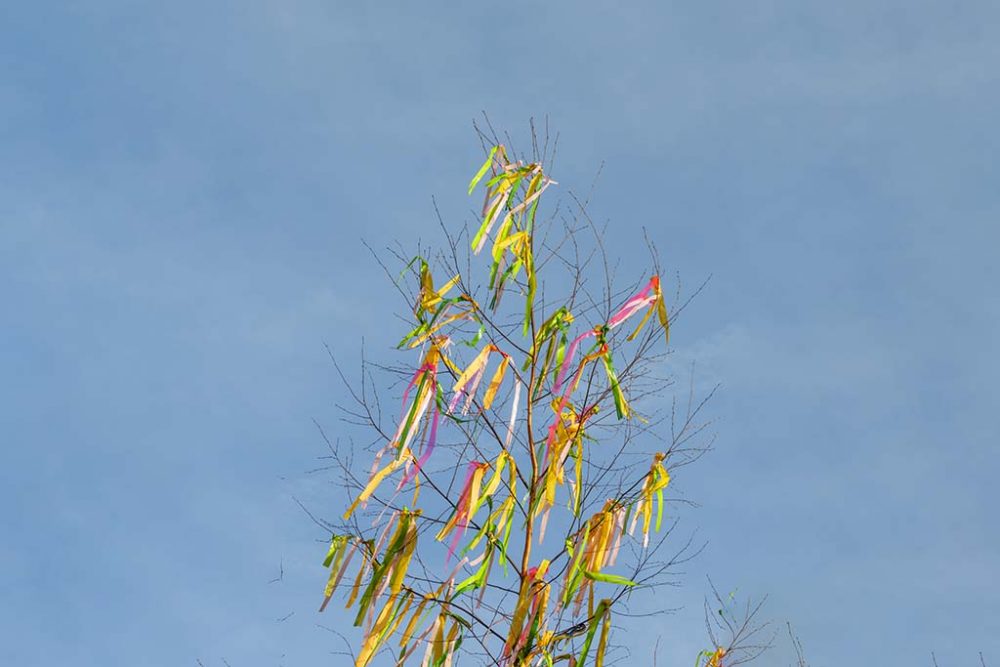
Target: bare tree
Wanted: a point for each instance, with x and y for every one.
(516, 503)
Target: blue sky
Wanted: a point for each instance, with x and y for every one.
(184, 193)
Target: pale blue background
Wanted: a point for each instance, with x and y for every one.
(183, 191)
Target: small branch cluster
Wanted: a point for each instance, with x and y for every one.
(534, 430)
